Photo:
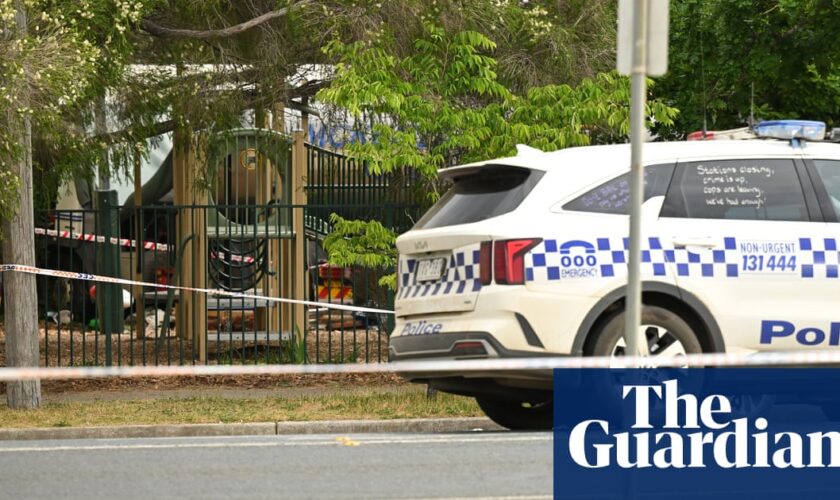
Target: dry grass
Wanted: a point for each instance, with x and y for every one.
(411, 402)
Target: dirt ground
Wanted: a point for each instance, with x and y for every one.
(66, 347)
(227, 386)
(75, 347)
(258, 384)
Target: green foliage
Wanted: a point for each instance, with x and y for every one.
(781, 54)
(554, 117)
(297, 348)
(364, 243)
(72, 53)
(444, 104)
(421, 109)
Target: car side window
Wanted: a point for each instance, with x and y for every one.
(748, 189)
(829, 172)
(613, 196)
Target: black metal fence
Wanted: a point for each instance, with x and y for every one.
(261, 251)
(261, 256)
(342, 185)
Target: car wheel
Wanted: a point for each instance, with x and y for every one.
(519, 415)
(666, 332)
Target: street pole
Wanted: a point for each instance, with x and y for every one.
(636, 346)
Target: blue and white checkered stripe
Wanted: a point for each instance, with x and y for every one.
(720, 261)
(818, 257)
(555, 259)
(461, 276)
(602, 257)
(605, 257)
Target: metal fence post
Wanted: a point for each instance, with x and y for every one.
(109, 296)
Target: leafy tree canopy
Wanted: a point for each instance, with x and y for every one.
(166, 63)
(461, 79)
(445, 104)
(72, 51)
(780, 54)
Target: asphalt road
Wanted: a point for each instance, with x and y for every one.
(466, 465)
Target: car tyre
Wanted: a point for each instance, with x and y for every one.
(606, 338)
(518, 415)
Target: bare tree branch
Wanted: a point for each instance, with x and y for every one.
(166, 32)
(124, 134)
(306, 90)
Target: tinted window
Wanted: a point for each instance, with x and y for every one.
(829, 172)
(480, 194)
(613, 197)
(752, 189)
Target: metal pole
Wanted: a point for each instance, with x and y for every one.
(638, 84)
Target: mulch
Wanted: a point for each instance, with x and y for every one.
(357, 346)
(232, 382)
(240, 382)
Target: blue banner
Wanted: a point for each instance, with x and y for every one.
(718, 433)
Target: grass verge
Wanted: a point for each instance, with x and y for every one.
(366, 404)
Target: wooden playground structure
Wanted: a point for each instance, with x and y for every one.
(225, 242)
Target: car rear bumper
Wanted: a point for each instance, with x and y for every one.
(454, 346)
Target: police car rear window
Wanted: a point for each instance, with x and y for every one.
(481, 194)
(748, 189)
(613, 196)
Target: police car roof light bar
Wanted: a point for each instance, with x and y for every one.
(791, 129)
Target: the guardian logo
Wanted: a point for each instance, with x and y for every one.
(685, 431)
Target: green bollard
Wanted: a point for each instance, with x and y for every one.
(109, 295)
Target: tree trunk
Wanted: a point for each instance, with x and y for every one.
(19, 248)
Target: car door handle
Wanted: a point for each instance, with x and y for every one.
(694, 242)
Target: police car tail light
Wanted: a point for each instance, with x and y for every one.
(485, 263)
(791, 129)
(509, 260)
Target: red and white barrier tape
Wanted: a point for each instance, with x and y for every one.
(446, 366)
(125, 242)
(209, 291)
(788, 358)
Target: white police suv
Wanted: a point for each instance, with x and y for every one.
(526, 256)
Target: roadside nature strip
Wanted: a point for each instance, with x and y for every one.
(373, 403)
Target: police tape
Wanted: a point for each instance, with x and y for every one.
(477, 367)
(125, 242)
(129, 243)
(215, 292)
(464, 367)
